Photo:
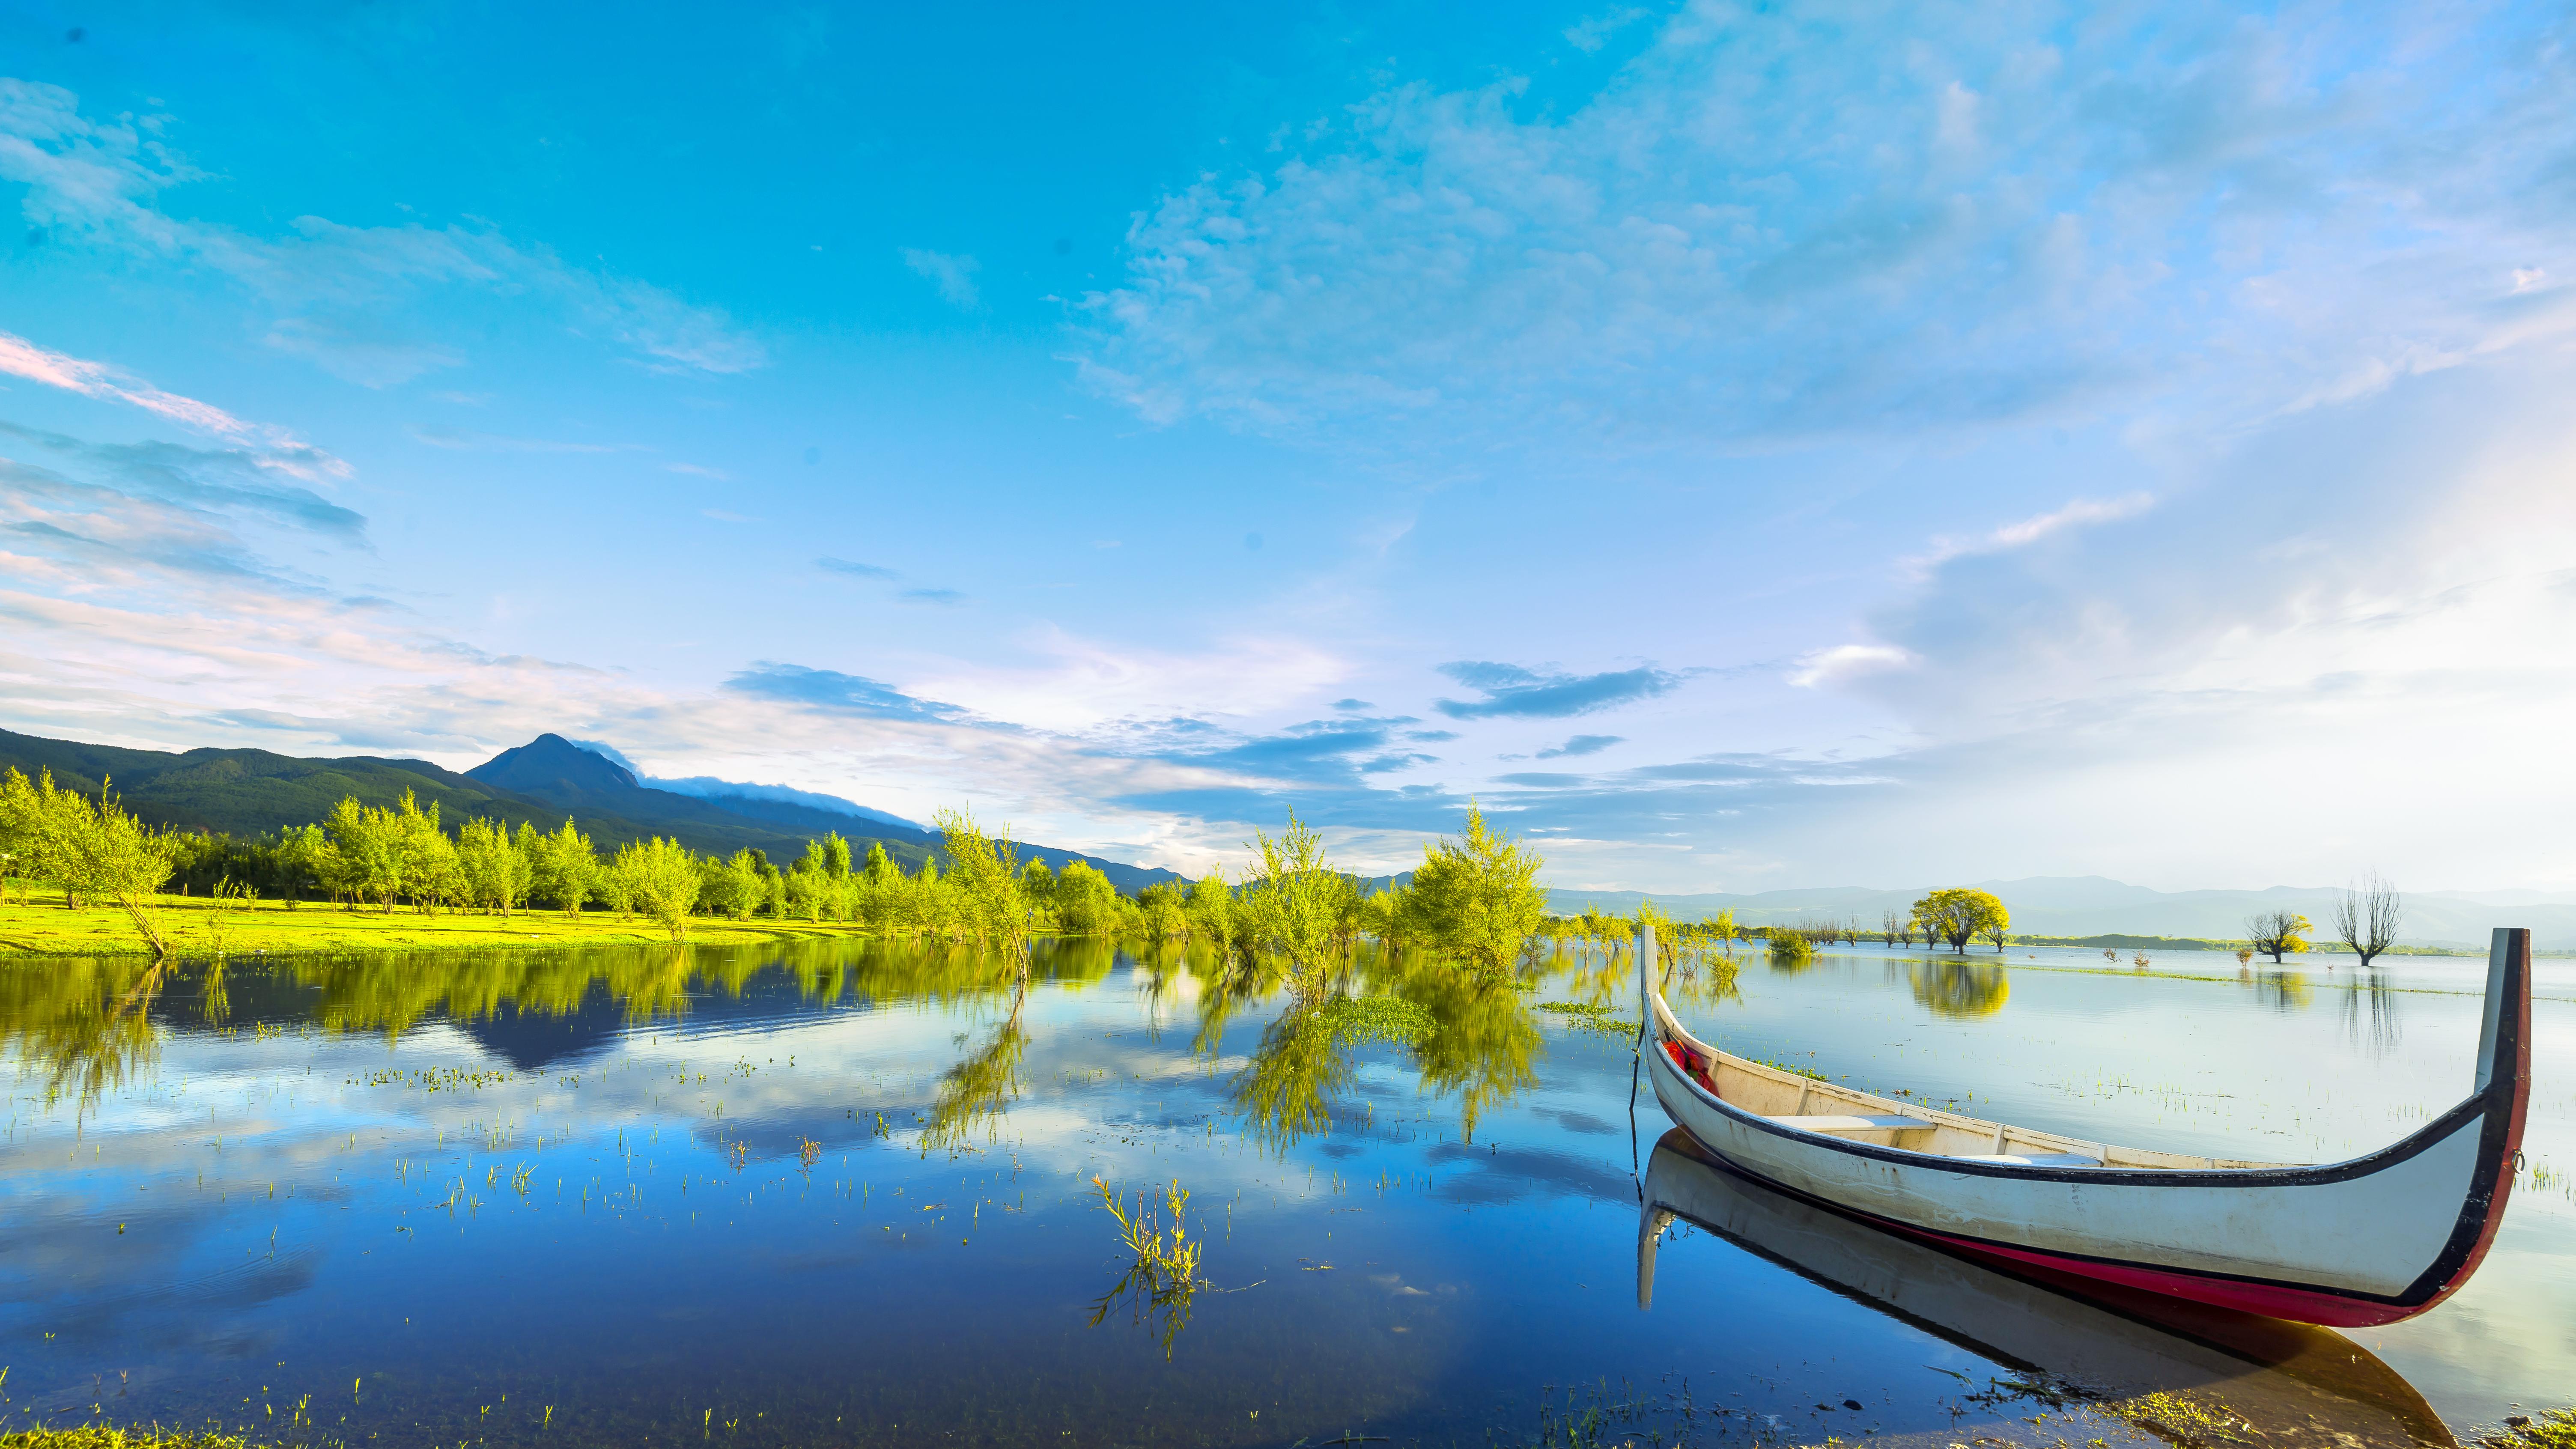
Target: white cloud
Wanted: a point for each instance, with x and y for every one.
(1845, 662)
(2031, 530)
(954, 276)
(21, 358)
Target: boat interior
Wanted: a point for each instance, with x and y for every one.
(1807, 1104)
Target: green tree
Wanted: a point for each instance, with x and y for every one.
(1293, 904)
(1476, 898)
(984, 882)
(1212, 912)
(111, 856)
(38, 824)
(664, 880)
(366, 860)
(564, 869)
(1165, 910)
(496, 874)
(1959, 914)
(1086, 904)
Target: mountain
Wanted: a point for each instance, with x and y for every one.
(246, 792)
(2096, 905)
(553, 769)
(766, 802)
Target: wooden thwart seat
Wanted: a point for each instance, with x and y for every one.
(1842, 1122)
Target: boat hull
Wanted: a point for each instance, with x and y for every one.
(2351, 1244)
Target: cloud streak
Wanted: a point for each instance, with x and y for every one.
(1514, 692)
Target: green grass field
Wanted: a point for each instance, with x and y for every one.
(34, 922)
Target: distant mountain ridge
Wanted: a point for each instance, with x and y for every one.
(246, 792)
(558, 772)
(2096, 905)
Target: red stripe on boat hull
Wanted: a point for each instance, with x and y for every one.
(2304, 1305)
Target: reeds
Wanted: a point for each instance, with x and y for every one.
(1162, 1275)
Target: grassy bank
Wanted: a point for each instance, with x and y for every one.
(107, 1436)
(196, 926)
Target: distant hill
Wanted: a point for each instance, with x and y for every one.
(553, 769)
(246, 792)
(2095, 905)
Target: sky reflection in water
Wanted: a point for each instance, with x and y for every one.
(429, 1199)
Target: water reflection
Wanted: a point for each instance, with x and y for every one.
(2110, 1351)
(2370, 1018)
(1959, 989)
(2279, 990)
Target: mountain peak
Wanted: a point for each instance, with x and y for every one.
(551, 764)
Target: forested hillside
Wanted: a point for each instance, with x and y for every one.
(252, 792)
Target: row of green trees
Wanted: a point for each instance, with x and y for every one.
(1474, 899)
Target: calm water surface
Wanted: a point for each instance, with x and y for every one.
(841, 1193)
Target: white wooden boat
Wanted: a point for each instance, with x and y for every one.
(2290, 1383)
(2370, 1240)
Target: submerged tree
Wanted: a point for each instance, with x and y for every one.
(1294, 904)
(1476, 898)
(2367, 915)
(1959, 915)
(2277, 933)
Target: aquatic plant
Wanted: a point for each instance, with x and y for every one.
(2549, 1429)
(1790, 948)
(109, 1436)
(1377, 1018)
(1162, 1277)
(1586, 1017)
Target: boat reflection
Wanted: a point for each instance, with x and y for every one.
(2291, 1383)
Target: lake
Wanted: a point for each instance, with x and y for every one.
(842, 1192)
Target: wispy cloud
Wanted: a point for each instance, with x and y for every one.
(2027, 531)
(1770, 228)
(854, 570)
(1581, 745)
(21, 358)
(338, 293)
(460, 441)
(944, 598)
(954, 276)
(841, 693)
(1514, 692)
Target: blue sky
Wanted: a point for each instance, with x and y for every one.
(1742, 447)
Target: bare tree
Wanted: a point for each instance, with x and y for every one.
(2366, 916)
(1894, 923)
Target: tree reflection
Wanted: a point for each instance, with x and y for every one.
(974, 1093)
(2370, 1018)
(1959, 989)
(1284, 1091)
(83, 1025)
(2280, 990)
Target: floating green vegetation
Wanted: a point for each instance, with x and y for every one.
(1377, 1018)
(1585, 1017)
(2552, 1429)
(1789, 948)
(109, 1436)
